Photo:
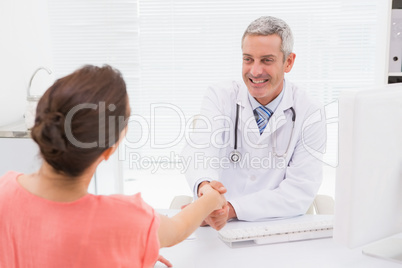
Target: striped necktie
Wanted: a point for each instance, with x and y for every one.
(263, 116)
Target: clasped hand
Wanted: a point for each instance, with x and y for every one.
(218, 218)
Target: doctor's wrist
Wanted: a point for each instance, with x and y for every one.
(232, 213)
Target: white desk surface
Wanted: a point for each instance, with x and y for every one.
(206, 250)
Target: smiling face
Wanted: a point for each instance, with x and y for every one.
(263, 66)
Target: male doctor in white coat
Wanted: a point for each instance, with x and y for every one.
(269, 161)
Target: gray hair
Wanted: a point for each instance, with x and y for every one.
(268, 25)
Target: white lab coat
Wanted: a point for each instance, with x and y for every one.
(261, 186)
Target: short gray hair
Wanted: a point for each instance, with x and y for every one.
(268, 25)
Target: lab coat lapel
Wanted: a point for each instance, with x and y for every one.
(247, 114)
(278, 119)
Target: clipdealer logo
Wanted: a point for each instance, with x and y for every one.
(201, 161)
(152, 136)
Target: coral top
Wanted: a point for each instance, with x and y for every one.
(94, 231)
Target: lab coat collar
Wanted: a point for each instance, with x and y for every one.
(277, 120)
(287, 100)
(242, 97)
(244, 102)
(272, 105)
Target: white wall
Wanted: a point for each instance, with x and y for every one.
(25, 45)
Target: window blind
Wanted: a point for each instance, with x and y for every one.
(170, 51)
(95, 32)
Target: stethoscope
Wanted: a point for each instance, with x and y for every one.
(235, 156)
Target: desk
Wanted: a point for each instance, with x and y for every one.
(208, 251)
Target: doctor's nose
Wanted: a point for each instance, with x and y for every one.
(256, 70)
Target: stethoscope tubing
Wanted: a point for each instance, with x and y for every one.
(235, 155)
(236, 123)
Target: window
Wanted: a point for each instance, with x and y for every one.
(170, 51)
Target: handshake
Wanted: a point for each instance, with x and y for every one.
(224, 211)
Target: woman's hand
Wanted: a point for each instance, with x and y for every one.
(209, 189)
(218, 218)
(164, 261)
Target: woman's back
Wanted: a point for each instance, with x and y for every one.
(48, 219)
(93, 231)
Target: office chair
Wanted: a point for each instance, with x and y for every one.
(322, 204)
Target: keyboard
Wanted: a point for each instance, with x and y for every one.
(279, 232)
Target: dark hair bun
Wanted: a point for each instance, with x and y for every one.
(49, 134)
(71, 127)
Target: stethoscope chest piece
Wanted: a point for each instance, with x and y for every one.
(234, 156)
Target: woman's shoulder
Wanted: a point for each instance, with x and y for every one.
(10, 174)
(9, 177)
(132, 203)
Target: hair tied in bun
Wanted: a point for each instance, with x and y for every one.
(53, 129)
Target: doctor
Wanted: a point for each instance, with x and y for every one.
(262, 137)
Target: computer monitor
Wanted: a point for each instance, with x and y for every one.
(368, 195)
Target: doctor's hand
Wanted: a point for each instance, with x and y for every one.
(218, 218)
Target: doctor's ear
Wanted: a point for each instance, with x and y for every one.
(290, 60)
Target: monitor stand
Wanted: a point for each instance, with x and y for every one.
(389, 249)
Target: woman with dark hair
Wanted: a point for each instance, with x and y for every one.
(48, 218)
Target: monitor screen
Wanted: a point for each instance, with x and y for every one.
(368, 195)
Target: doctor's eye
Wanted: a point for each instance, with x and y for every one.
(247, 60)
(267, 60)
